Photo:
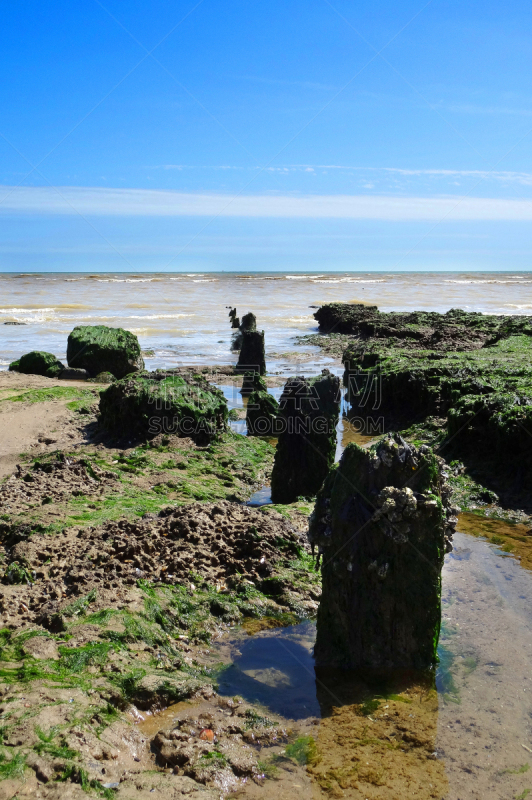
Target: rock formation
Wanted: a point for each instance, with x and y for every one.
(308, 415)
(98, 348)
(38, 363)
(383, 523)
(150, 403)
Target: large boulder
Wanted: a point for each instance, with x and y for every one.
(252, 356)
(148, 403)
(383, 522)
(38, 363)
(98, 348)
(308, 415)
(261, 414)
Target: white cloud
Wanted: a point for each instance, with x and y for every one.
(152, 203)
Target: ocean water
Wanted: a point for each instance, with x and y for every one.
(183, 318)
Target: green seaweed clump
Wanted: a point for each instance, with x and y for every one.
(98, 349)
(151, 403)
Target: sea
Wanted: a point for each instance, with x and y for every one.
(182, 319)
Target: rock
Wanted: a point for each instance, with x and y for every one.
(98, 348)
(308, 415)
(43, 769)
(73, 374)
(103, 377)
(160, 786)
(150, 403)
(425, 330)
(382, 525)
(41, 648)
(153, 692)
(252, 356)
(249, 322)
(232, 313)
(14, 323)
(261, 414)
(235, 322)
(38, 363)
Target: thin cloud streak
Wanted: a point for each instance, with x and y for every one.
(518, 177)
(103, 202)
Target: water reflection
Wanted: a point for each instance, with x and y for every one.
(275, 669)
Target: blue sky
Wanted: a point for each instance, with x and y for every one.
(265, 135)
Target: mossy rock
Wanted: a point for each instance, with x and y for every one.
(98, 349)
(38, 363)
(261, 414)
(150, 403)
(103, 377)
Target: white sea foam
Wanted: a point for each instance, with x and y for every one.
(491, 280)
(348, 280)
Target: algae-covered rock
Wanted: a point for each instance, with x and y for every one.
(252, 356)
(261, 414)
(383, 522)
(98, 348)
(149, 403)
(427, 330)
(104, 377)
(38, 363)
(308, 415)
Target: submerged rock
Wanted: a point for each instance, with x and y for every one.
(150, 403)
(308, 415)
(383, 522)
(98, 348)
(261, 414)
(252, 356)
(38, 363)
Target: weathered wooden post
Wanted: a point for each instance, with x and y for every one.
(308, 415)
(383, 522)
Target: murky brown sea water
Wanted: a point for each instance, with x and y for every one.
(183, 318)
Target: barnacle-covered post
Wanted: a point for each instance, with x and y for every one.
(383, 523)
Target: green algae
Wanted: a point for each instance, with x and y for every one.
(303, 750)
(72, 393)
(151, 403)
(98, 349)
(38, 363)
